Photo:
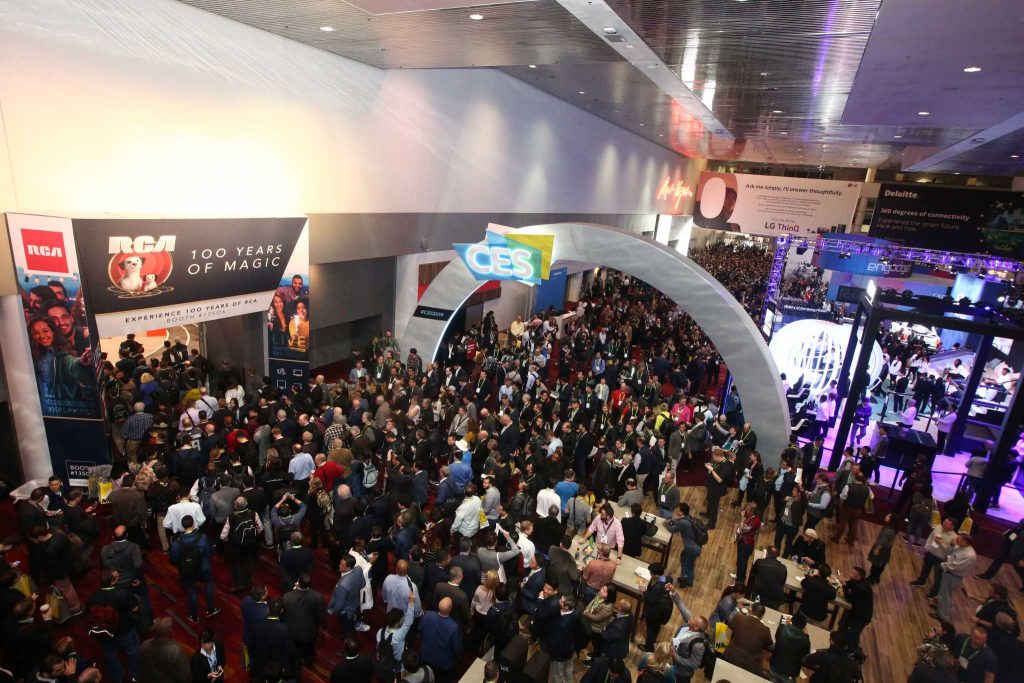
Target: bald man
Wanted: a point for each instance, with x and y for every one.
(442, 640)
(397, 587)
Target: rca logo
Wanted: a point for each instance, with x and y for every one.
(44, 251)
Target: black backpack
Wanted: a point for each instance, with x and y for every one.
(190, 560)
(384, 664)
(700, 532)
(243, 531)
(707, 661)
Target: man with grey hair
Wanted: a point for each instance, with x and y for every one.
(336, 430)
(134, 430)
(295, 560)
(452, 590)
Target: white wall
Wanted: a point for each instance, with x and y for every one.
(514, 300)
(407, 283)
(153, 108)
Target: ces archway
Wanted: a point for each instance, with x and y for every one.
(706, 300)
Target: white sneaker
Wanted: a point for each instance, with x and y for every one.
(362, 628)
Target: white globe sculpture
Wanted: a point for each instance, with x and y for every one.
(814, 350)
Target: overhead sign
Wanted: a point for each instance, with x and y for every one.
(770, 205)
(966, 221)
(431, 313)
(525, 258)
(160, 273)
(677, 190)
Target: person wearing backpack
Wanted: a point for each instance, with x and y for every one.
(691, 647)
(390, 641)
(190, 553)
(694, 536)
(657, 605)
(180, 510)
(241, 532)
(110, 617)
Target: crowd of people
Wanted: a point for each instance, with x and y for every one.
(742, 268)
(470, 504)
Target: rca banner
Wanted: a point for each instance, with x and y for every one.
(288, 321)
(770, 205)
(61, 341)
(151, 274)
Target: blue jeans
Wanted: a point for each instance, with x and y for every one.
(743, 553)
(127, 643)
(189, 584)
(689, 562)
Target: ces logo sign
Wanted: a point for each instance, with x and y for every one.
(526, 258)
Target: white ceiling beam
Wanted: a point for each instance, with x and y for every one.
(597, 15)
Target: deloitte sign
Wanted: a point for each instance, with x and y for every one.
(526, 258)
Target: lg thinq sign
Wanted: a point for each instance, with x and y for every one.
(526, 258)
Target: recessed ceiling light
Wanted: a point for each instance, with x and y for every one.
(776, 111)
(327, 29)
(897, 136)
(972, 69)
(610, 30)
(1015, 156)
(629, 46)
(783, 132)
(661, 135)
(652, 66)
(476, 17)
(765, 73)
(583, 92)
(642, 125)
(533, 66)
(956, 172)
(923, 113)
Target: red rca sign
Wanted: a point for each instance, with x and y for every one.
(44, 251)
(674, 190)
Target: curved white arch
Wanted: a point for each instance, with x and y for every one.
(698, 293)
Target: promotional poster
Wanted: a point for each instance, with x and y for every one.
(288, 320)
(63, 347)
(160, 273)
(968, 221)
(770, 205)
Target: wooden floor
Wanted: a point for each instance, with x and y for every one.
(901, 611)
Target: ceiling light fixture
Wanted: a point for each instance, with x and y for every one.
(652, 66)
(897, 136)
(642, 125)
(583, 92)
(776, 111)
(978, 140)
(326, 29)
(923, 113)
(610, 30)
(476, 17)
(972, 69)
(533, 66)
(1015, 156)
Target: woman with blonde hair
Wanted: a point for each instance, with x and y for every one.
(483, 599)
(659, 664)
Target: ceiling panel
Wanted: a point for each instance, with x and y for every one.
(538, 32)
(777, 73)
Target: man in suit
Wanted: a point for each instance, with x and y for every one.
(811, 461)
(208, 659)
(345, 598)
(750, 638)
(355, 666)
(561, 620)
(442, 640)
(616, 635)
(295, 560)
(562, 569)
(768, 579)
(508, 437)
(271, 646)
(533, 585)
(469, 563)
(451, 589)
(304, 616)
